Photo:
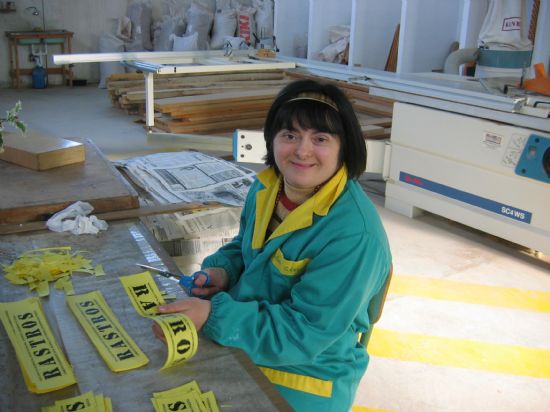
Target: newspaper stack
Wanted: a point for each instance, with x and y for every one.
(177, 177)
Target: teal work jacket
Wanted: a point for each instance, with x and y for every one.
(298, 300)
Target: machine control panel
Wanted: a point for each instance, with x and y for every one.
(534, 161)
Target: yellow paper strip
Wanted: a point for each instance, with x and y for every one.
(143, 293)
(38, 267)
(186, 387)
(181, 338)
(210, 402)
(178, 397)
(189, 401)
(167, 405)
(114, 345)
(169, 296)
(43, 289)
(108, 405)
(99, 270)
(85, 403)
(43, 364)
(99, 403)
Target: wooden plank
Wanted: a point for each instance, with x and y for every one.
(175, 90)
(30, 195)
(375, 132)
(213, 126)
(170, 104)
(40, 152)
(300, 74)
(362, 100)
(233, 74)
(212, 117)
(197, 78)
(380, 121)
(221, 108)
(367, 107)
(362, 95)
(391, 62)
(8, 229)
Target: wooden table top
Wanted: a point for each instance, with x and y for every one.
(28, 195)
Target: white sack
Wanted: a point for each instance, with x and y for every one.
(186, 43)
(199, 19)
(109, 43)
(503, 27)
(264, 18)
(225, 24)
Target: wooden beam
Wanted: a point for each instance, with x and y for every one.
(7, 229)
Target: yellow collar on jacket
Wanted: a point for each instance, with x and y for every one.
(300, 217)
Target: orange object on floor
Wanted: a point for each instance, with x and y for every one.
(541, 82)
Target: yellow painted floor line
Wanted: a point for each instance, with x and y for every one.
(443, 289)
(460, 353)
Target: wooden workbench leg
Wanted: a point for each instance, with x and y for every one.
(17, 73)
(12, 72)
(63, 74)
(45, 62)
(70, 66)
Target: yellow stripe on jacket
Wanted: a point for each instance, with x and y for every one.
(297, 382)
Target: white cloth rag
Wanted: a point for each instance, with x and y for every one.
(75, 219)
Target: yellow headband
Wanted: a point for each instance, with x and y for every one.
(317, 97)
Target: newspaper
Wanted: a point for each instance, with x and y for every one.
(190, 177)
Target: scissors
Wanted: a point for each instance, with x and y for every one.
(186, 282)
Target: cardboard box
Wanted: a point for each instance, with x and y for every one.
(40, 152)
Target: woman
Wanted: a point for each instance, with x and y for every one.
(293, 287)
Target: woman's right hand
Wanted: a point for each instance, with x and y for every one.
(219, 281)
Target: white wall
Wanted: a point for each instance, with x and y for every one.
(87, 19)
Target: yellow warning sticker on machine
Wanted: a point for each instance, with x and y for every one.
(42, 362)
(114, 345)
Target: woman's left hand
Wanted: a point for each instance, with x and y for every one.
(195, 309)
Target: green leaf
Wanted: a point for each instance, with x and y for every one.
(21, 126)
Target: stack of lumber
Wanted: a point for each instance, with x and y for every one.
(127, 91)
(374, 113)
(220, 103)
(215, 112)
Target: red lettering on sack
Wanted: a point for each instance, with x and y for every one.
(511, 23)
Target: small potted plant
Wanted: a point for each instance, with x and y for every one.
(12, 117)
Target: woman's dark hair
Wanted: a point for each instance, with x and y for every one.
(290, 109)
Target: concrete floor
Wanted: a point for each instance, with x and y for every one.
(466, 326)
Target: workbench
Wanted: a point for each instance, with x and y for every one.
(237, 383)
(28, 195)
(63, 38)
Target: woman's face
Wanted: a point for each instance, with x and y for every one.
(306, 157)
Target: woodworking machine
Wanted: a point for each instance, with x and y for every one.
(459, 151)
